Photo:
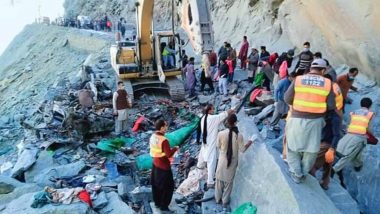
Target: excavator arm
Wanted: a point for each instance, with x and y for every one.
(196, 21)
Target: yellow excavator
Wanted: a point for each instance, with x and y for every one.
(140, 64)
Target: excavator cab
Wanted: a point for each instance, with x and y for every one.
(166, 61)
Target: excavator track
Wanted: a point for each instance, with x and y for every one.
(176, 88)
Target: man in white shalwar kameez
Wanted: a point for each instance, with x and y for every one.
(208, 153)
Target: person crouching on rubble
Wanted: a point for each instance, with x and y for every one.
(121, 103)
(330, 137)
(208, 127)
(350, 148)
(311, 96)
(229, 143)
(162, 176)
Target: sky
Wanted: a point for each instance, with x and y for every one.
(15, 14)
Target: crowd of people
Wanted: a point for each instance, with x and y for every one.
(311, 97)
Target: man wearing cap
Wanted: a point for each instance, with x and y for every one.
(311, 96)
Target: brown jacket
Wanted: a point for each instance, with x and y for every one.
(345, 84)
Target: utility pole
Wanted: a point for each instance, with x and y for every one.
(138, 36)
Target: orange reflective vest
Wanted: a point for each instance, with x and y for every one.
(155, 144)
(311, 93)
(359, 123)
(338, 97)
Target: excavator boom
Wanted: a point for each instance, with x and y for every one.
(196, 21)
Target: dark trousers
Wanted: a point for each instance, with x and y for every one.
(207, 81)
(162, 187)
(230, 77)
(266, 82)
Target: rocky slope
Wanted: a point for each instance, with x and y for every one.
(40, 58)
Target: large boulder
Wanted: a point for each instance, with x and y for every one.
(68, 170)
(44, 161)
(22, 205)
(116, 205)
(262, 178)
(25, 160)
(8, 184)
(364, 186)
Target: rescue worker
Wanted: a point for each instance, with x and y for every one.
(121, 103)
(330, 137)
(162, 176)
(243, 53)
(229, 143)
(350, 147)
(304, 60)
(310, 95)
(208, 129)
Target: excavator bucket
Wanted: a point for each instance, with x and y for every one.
(196, 21)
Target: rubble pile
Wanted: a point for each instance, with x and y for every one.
(69, 149)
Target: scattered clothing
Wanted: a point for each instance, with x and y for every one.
(192, 183)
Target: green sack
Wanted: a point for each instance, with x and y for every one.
(177, 137)
(246, 208)
(259, 78)
(144, 162)
(110, 145)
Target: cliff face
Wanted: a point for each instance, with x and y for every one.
(344, 31)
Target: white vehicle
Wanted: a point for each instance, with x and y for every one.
(84, 21)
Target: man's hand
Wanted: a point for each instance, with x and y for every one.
(250, 142)
(330, 155)
(115, 112)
